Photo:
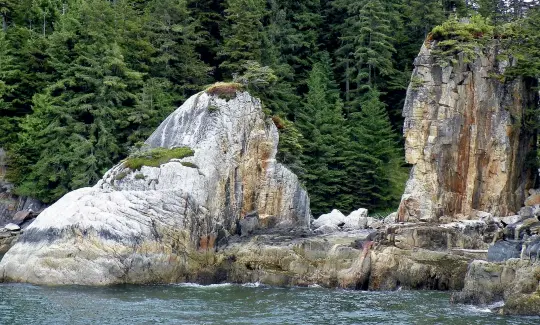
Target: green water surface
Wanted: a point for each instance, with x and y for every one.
(233, 304)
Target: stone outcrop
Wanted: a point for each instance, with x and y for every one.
(465, 138)
(141, 226)
(516, 282)
(11, 204)
(509, 278)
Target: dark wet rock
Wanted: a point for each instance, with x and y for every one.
(504, 250)
(249, 224)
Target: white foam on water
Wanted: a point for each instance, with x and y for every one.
(196, 285)
(314, 286)
(252, 285)
(477, 309)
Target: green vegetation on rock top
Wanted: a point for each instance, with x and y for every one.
(465, 37)
(156, 157)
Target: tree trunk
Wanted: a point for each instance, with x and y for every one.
(347, 85)
(44, 24)
(4, 23)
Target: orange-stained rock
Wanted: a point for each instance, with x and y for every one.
(533, 200)
(464, 138)
(207, 242)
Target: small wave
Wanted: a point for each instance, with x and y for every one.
(498, 304)
(252, 285)
(314, 286)
(477, 309)
(486, 309)
(196, 285)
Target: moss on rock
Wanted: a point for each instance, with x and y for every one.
(156, 157)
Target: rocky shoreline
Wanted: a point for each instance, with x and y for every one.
(229, 212)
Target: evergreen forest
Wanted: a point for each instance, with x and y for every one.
(83, 82)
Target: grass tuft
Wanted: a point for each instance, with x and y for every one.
(225, 90)
(121, 176)
(156, 157)
(189, 164)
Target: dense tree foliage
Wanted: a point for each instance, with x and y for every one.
(82, 81)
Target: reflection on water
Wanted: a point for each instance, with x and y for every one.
(233, 304)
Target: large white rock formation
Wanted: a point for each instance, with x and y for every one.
(140, 226)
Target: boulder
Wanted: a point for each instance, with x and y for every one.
(147, 225)
(12, 227)
(21, 216)
(504, 250)
(516, 282)
(526, 212)
(532, 249)
(484, 216)
(326, 229)
(332, 219)
(522, 229)
(357, 219)
(391, 218)
(533, 198)
(511, 219)
(461, 139)
(248, 225)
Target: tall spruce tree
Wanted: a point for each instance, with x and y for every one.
(77, 124)
(8, 76)
(322, 124)
(373, 159)
(365, 54)
(244, 34)
(175, 36)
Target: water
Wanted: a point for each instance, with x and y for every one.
(233, 304)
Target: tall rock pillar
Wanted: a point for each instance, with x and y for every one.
(466, 138)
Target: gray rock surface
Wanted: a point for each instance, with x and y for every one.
(515, 282)
(504, 250)
(143, 226)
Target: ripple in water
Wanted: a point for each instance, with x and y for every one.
(234, 304)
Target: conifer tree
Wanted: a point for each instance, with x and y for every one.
(324, 138)
(365, 54)
(208, 16)
(244, 34)
(6, 9)
(373, 160)
(78, 124)
(174, 36)
(8, 76)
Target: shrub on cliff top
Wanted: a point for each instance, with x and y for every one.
(455, 37)
(156, 157)
(225, 90)
(477, 27)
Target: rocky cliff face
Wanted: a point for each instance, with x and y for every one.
(148, 225)
(465, 138)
